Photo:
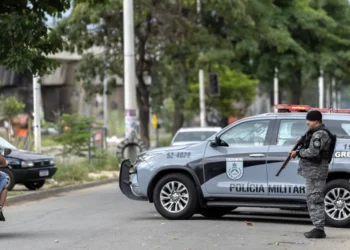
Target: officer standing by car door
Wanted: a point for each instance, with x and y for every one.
(313, 166)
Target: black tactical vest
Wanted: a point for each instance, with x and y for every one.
(324, 154)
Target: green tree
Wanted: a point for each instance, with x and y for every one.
(218, 38)
(75, 134)
(157, 24)
(25, 39)
(9, 108)
(237, 92)
(317, 39)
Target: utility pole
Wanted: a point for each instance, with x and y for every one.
(36, 109)
(320, 89)
(201, 80)
(129, 75)
(105, 85)
(202, 97)
(328, 98)
(105, 102)
(275, 89)
(334, 97)
(339, 99)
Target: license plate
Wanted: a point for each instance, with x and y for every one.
(44, 173)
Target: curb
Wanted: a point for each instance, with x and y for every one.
(51, 192)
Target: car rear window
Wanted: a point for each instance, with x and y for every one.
(290, 130)
(193, 136)
(339, 127)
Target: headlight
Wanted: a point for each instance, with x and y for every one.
(27, 164)
(52, 162)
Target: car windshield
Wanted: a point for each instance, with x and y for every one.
(6, 144)
(193, 136)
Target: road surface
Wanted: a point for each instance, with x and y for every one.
(102, 218)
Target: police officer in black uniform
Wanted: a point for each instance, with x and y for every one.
(313, 166)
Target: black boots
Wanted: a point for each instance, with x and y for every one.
(315, 233)
(2, 218)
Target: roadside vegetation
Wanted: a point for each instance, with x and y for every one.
(79, 158)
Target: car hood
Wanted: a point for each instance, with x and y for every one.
(28, 156)
(175, 148)
(185, 143)
(163, 149)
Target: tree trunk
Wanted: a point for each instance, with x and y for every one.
(143, 106)
(144, 122)
(296, 87)
(178, 119)
(223, 122)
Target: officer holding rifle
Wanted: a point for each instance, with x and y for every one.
(314, 155)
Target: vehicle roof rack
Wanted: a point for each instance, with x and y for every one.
(289, 108)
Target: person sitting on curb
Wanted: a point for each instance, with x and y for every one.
(3, 187)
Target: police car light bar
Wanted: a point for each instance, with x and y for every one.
(292, 108)
(305, 108)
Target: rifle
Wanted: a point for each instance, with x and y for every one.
(288, 158)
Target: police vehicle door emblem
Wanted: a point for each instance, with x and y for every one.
(234, 168)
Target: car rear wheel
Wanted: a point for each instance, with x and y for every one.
(175, 197)
(34, 185)
(337, 203)
(215, 212)
(10, 178)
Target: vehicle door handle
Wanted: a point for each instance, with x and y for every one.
(257, 155)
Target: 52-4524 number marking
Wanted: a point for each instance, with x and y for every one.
(172, 155)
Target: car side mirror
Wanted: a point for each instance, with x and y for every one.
(6, 151)
(218, 142)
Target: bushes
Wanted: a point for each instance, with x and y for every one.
(75, 134)
(164, 141)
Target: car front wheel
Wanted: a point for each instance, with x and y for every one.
(337, 203)
(175, 197)
(34, 185)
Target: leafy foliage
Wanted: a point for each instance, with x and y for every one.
(100, 23)
(242, 40)
(75, 135)
(25, 40)
(237, 92)
(10, 107)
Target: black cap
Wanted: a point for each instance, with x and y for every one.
(314, 115)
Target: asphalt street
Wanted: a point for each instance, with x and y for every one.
(102, 218)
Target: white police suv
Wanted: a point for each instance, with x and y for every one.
(237, 168)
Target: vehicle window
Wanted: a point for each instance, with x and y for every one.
(339, 127)
(246, 134)
(193, 136)
(6, 144)
(291, 130)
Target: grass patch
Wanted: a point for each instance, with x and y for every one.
(14, 193)
(48, 141)
(165, 141)
(70, 172)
